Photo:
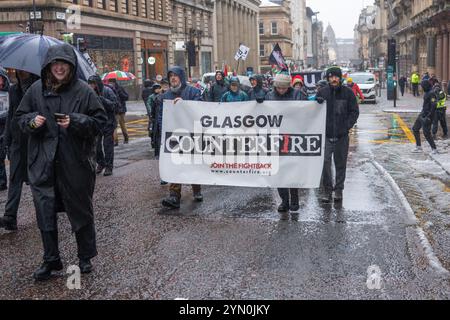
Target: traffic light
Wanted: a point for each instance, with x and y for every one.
(392, 51)
(191, 54)
(81, 45)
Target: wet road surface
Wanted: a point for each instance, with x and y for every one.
(236, 246)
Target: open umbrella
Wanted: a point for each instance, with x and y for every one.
(118, 75)
(27, 52)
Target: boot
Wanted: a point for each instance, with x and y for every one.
(172, 202)
(417, 150)
(45, 270)
(108, 172)
(99, 169)
(326, 196)
(294, 207)
(85, 266)
(8, 223)
(198, 196)
(283, 207)
(125, 139)
(338, 195)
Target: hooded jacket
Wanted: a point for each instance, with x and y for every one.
(429, 101)
(186, 92)
(231, 96)
(218, 89)
(259, 92)
(291, 94)
(122, 97)
(61, 162)
(15, 139)
(3, 114)
(342, 110)
(147, 90)
(109, 101)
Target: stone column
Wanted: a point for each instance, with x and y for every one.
(130, 7)
(446, 52)
(235, 40)
(241, 29)
(217, 34)
(447, 56)
(246, 36)
(137, 56)
(255, 34)
(226, 32)
(439, 55)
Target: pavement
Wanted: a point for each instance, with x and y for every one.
(413, 105)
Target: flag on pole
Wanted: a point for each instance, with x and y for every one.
(276, 58)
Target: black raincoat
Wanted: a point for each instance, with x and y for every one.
(258, 93)
(61, 162)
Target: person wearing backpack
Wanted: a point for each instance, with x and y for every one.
(121, 110)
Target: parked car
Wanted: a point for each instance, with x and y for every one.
(367, 84)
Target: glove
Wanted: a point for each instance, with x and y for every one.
(260, 100)
(320, 100)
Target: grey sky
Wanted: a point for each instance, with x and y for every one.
(341, 14)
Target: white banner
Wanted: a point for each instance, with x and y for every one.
(242, 52)
(278, 144)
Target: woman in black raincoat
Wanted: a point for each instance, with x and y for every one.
(62, 116)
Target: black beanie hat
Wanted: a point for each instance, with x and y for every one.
(334, 71)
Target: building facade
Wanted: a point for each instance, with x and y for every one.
(191, 40)
(346, 50)
(365, 27)
(118, 34)
(298, 15)
(421, 29)
(378, 36)
(236, 22)
(275, 26)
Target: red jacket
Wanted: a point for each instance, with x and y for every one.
(357, 91)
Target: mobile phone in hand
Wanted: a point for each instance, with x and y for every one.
(59, 116)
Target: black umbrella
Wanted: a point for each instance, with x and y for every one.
(27, 52)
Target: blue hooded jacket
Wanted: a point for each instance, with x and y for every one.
(186, 92)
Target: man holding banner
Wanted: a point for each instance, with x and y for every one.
(342, 114)
(179, 90)
(283, 91)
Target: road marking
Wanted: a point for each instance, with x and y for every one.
(143, 120)
(405, 128)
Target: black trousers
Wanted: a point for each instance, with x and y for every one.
(14, 195)
(3, 178)
(425, 125)
(415, 90)
(402, 90)
(86, 242)
(285, 194)
(440, 117)
(337, 150)
(105, 150)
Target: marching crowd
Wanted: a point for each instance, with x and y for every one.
(60, 132)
